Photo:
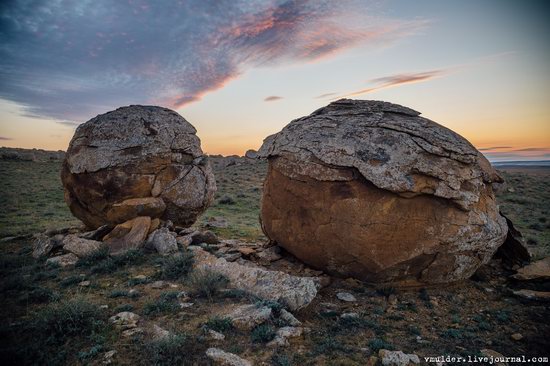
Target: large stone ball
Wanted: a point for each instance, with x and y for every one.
(137, 161)
(372, 190)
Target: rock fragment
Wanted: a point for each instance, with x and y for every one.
(80, 247)
(293, 291)
(222, 358)
(63, 260)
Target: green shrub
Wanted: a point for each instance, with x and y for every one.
(177, 267)
(47, 337)
(166, 351)
(262, 333)
(39, 295)
(93, 258)
(452, 333)
(219, 324)
(281, 359)
(166, 303)
(118, 293)
(386, 290)
(377, 344)
(70, 281)
(207, 284)
(124, 307)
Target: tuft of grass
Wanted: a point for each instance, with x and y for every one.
(166, 351)
(56, 332)
(177, 267)
(273, 305)
(377, 344)
(263, 333)
(93, 258)
(207, 284)
(281, 359)
(124, 307)
(166, 303)
(70, 281)
(227, 200)
(386, 290)
(453, 334)
(118, 293)
(219, 324)
(327, 344)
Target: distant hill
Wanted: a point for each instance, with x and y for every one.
(525, 163)
(39, 155)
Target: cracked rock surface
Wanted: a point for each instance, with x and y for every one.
(372, 190)
(137, 161)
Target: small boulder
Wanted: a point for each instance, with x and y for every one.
(251, 154)
(269, 255)
(63, 260)
(282, 335)
(98, 233)
(162, 241)
(128, 235)
(346, 296)
(125, 320)
(539, 270)
(292, 291)
(80, 247)
(533, 295)
(397, 358)
(246, 317)
(134, 207)
(216, 336)
(184, 241)
(289, 319)
(496, 358)
(223, 358)
(42, 246)
(207, 237)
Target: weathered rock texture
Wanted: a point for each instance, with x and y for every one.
(372, 190)
(137, 161)
(292, 291)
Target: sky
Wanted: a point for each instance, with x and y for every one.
(241, 70)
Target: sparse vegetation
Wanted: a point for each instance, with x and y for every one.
(207, 284)
(262, 333)
(219, 324)
(41, 323)
(177, 267)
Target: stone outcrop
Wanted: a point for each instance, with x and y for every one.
(222, 358)
(372, 190)
(539, 270)
(80, 247)
(137, 161)
(292, 291)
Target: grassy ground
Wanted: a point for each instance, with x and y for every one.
(48, 317)
(525, 199)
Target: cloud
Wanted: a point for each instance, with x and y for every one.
(396, 80)
(530, 149)
(494, 148)
(325, 95)
(3, 138)
(70, 60)
(272, 98)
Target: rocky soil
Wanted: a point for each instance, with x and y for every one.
(220, 293)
